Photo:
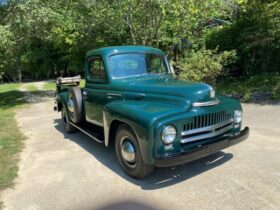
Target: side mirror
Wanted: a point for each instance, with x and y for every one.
(175, 70)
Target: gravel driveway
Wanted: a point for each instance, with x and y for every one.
(63, 171)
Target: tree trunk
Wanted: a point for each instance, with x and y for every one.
(19, 70)
(19, 75)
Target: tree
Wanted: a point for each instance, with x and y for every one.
(53, 36)
(255, 35)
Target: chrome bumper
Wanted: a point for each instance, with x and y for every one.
(203, 151)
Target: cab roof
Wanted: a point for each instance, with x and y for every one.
(107, 51)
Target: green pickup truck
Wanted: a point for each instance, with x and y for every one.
(132, 100)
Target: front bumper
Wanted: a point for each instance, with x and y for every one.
(203, 151)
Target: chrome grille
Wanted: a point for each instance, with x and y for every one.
(207, 120)
(207, 126)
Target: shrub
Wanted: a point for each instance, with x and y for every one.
(255, 35)
(205, 65)
(258, 87)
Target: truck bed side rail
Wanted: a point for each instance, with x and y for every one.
(68, 80)
(63, 85)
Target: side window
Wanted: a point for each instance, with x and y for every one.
(96, 70)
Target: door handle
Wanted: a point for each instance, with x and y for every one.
(139, 96)
(114, 94)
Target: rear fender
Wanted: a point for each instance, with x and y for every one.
(62, 98)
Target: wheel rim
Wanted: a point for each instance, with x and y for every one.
(128, 152)
(70, 105)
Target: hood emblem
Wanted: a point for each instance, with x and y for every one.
(207, 103)
(212, 93)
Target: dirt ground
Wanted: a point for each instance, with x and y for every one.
(63, 171)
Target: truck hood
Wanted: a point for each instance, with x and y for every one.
(168, 86)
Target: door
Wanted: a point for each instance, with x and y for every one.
(95, 91)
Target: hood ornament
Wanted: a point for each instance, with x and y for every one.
(212, 93)
(207, 103)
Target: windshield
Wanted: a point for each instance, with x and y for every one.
(133, 64)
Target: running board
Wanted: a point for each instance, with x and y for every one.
(89, 133)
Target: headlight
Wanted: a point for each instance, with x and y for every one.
(237, 116)
(168, 134)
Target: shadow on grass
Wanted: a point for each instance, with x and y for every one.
(39, 96)
(160, 178)
(12, 98)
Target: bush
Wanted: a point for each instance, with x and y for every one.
(255, 35)
(258, 87)
(205, 65)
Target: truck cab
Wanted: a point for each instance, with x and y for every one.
(132, 100)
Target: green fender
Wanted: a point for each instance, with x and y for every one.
(142, 117)
(62, 97)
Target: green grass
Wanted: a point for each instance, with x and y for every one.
(49, 86)
(247, 89)
(10, 136)
(31, 88)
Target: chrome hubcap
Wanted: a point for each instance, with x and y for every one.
(128, 151)
(70, 105)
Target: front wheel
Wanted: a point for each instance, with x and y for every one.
(129, 155)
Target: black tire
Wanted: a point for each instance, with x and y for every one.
(137, 168)
(65, 120)
(75, 105)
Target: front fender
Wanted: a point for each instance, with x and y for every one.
(142, 117)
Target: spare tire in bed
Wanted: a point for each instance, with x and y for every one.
(75, 105)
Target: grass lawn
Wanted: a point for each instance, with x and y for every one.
(10, 135)
(49, 86)
(31, 88)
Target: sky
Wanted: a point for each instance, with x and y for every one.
(3, 1)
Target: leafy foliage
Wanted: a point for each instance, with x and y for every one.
(45, 39)
(255, 35)
(205, 65)
(51, 37)
(258, 87)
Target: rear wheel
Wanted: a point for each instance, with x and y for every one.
(65, 120)
(129, 155)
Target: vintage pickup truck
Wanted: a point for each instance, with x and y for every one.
(132, 100)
